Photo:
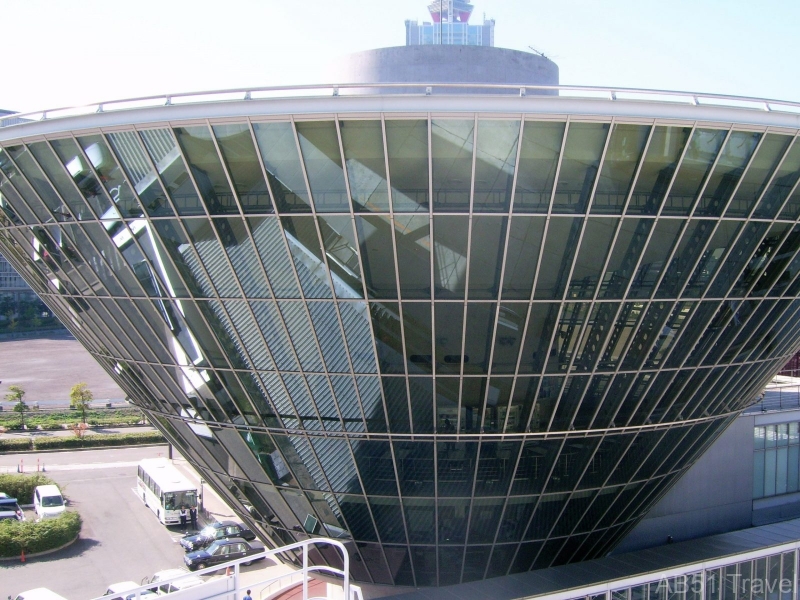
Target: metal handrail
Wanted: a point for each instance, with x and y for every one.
(350, 591)
(614, 94)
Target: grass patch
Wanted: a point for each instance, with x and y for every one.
(21, 486)
(33, 537)
(54, 419)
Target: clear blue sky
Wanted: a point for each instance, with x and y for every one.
(67, 52)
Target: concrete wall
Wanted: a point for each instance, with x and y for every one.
(714, 496)
(444, 64)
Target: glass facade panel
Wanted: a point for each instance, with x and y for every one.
(366, 165)
(755, 179)
(278, 147)
(407, 144)
(729, 168)
(695, 166)
(206, 169)
(240, 157)
(495, 161)
(319, 144)
(658, 169)
(538, 161)
(619, 167)
(452, 146)
(583, 151)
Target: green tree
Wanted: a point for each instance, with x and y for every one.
(80, 396)
(15, 394)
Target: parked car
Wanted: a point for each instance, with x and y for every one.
(168, 587)
(10, 510)
(48, 501)
(39, 594)
(222, 551)
(215, 531)
(122, 591)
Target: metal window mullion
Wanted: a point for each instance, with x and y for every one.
(179, 221)
(135, 241)
(558, 168)
(335, 303)
(261, 165)
(772, 178)
(45, 226)
(708, 176)
(224, 167)
(470, 223)
(669, 258)
(574, 490)
(499, 300)
(125, 294)
(637, 172)
(212, 283)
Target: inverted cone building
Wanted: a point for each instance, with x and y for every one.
(470, 333)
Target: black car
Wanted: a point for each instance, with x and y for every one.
(222, 551)
(10, 510)
(216, 531)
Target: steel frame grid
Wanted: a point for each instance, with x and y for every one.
(466, 300)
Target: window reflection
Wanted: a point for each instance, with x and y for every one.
(366, 166)
(619, 166)
(319, 143)
(239, 154)
(407, 143)
(539, 154)
(576, 176)
(495, 160)
(206, 169)
(278, 148)
(452, 145)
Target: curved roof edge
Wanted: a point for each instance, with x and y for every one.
(655, 108)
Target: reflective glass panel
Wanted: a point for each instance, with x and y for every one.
(239, 154)
(730, 166)
(563, 234)
(450, 255)
(167, 158)
(301, 235)
(407, 144)
(781, 186)
(366, 165)
(538, 160)
(651, 265)
(340, 245)
(663, 153)
(619, 167)
(412, 235)
(486, 256)
(595, 243)
(377, 255)
(278, 148)
(80, 171)
(522, 257)
(452, 146)
(319, 144)
(631, 238)
(76, 206)
(140, 172)
(496, 157)
(578, 171)
(449, 328)
(206, 169)
(111, 175)
(756, 177)
(696, 164)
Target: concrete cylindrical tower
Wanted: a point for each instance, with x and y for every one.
(445, 64)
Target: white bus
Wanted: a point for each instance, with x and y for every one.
(164, 489)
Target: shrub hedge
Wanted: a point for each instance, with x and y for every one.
(33, 537)
(15, 445)
(21, 486)
(95, 440)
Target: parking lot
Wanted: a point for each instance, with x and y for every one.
(121, 539)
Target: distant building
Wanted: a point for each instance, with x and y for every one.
(11, 284)
(450, 27)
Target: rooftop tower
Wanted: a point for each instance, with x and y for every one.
(450, 26)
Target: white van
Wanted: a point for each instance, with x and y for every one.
(39, 594)
(48, 501)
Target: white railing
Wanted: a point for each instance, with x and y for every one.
(367, 89)
(230, 586)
